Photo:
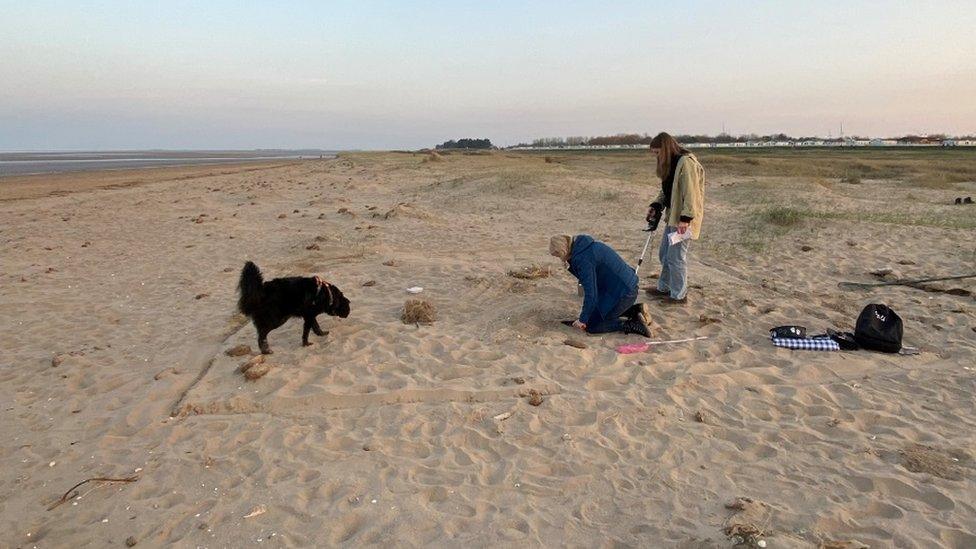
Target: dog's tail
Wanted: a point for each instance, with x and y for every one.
(250, 287)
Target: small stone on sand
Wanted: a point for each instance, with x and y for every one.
(575, 343)
(259, 510)
(131, 541)
(535, 397)
(238, 350)
(243, 368)
(369, 283)
(257, 371)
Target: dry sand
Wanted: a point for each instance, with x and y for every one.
(117, 307)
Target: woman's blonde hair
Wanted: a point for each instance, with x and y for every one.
(560, 246)
(670, 148)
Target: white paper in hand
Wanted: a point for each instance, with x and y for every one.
(677, 237)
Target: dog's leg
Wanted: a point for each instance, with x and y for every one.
(305, 329)
(263, 341)
(318, 330)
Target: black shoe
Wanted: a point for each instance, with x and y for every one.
(643, 314)
(672, 301)
(636, 327)
(638, 311)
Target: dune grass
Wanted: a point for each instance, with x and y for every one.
(773, 190)
(782, 216)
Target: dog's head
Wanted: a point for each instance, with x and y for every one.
(329, 300)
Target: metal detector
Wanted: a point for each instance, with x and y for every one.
(651, 227)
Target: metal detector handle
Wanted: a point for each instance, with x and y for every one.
(654, 220)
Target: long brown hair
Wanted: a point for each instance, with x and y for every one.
(670, 148)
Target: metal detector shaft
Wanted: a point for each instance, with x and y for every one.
(650, 235)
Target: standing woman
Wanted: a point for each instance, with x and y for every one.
(682, 202)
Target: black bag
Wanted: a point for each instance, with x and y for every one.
(788, 332)
(845, 340)
(878, 328)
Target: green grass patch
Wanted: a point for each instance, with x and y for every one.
(787, 217)
(782, 216)
(931, 219)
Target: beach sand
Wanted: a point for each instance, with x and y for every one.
(117, 307)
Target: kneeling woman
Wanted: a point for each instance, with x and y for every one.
(609, 286)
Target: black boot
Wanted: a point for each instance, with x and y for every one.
(636, 327)
(639, 311)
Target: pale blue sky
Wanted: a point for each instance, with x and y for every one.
(220, 74)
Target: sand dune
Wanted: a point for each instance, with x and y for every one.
(118, 305)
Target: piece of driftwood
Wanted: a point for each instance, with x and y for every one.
(67, 495)
(902, 282)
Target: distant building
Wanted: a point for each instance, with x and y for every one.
(919, 141)
(959, 143)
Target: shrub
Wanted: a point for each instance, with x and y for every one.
(418, 311)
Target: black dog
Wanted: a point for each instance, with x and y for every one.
(271, 304)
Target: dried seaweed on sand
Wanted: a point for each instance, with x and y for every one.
(532, 272)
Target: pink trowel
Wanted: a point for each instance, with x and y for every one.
(632, 348)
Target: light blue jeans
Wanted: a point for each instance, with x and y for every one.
(674, 266)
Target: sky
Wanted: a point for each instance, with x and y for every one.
(381, 75)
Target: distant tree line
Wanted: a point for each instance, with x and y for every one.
(645, 139)
(466, 143)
